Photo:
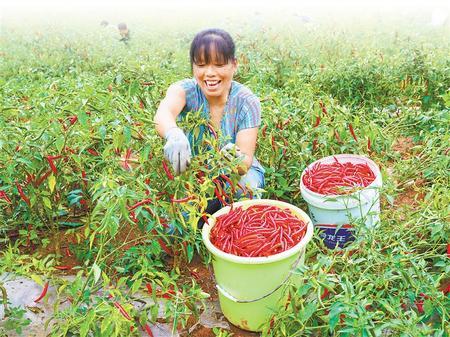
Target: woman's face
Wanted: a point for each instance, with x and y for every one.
(215, 77)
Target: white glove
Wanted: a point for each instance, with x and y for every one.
(177, 150)
(231, 151)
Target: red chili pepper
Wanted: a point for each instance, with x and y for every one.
(263, 130)
(125, 164)
(141, 104)
(182, 200)
(336, 135)
(133, 217)
(419, 305)
(325, 293)
(83, 178)
(73, 120)
(122, 310)
(257, 231)
(228, 180)
(63, 267)
(212, 131)
(4, 196)
(22, 194)
(195, 275)
(164, 246)
(167, 170)
(314, 147)
(369, 146)
(324, 110)
(448, 250)
(350, 127)
(44, 292)
(287, 122)
(149, 288)
(30, 178)
(42, 178)
(446, 289)
(148, 330)
(68, 254)
(93, 152)
(69, 149)
(52, 165)
(316, 124)
(168, 294)
(140, 203)
(274, 146)
(337, 177)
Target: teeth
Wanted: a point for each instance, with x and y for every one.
(212, 83)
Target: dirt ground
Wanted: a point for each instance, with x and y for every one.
(410, 196)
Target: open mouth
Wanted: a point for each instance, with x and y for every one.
(212, 84)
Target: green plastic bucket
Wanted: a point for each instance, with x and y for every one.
(252, 288)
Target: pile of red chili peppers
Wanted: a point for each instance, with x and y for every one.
(260, 230)
(337, 177)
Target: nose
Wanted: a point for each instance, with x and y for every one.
(209, 70)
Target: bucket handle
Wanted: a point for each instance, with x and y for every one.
(234, 299)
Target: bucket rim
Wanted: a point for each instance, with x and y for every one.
(375, 184)
(262, 259)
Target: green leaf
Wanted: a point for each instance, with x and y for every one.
(51, 182)
(59, 143)
(428, 307)
(118, 79)
(47, 202)
(134, 88)
(97, 272)
(308, 311)
(127, 134)
(84, 328)
(190, 252)
(102, 132)
(82, 118)
(37, 279)
(301, 291)
(136, 285)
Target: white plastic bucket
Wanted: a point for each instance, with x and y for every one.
(251, 289)
(334, 214)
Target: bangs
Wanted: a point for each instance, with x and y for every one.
(211, 48)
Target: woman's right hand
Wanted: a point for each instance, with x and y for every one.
(177, 150)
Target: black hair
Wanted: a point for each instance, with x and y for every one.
(122, 26)
(212, 39)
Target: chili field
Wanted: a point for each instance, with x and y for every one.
(91, 213)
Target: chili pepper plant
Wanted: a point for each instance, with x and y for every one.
(85, 189)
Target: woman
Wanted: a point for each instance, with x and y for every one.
(227, 104)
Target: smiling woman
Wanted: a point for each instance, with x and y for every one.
(229, 106)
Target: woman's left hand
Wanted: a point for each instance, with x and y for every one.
(231, 151)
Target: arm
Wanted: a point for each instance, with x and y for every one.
(169, 109)
(177, 149)
(246, 141)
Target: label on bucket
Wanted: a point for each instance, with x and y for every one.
(332, 237)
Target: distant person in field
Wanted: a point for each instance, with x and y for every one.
(124, 32)
(228, 105)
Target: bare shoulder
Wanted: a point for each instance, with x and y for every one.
(175, 90)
